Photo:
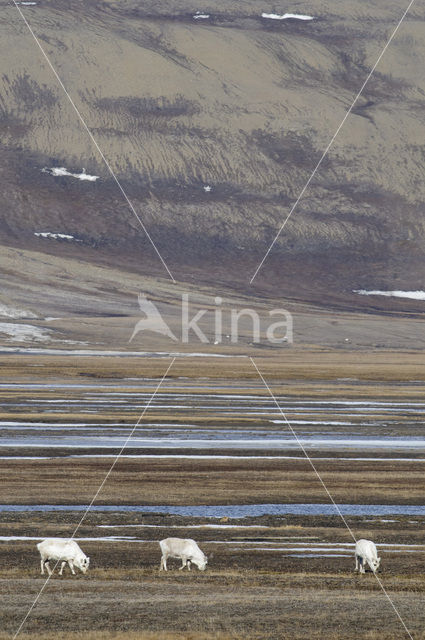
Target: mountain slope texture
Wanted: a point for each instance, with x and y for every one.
(213, 126)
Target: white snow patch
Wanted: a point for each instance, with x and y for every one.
(315, 555)
(62, 171)
(24, 332)
(132, 354)
(313, 422)
(55, 236)
(182, 526)
(201, 16)
(12, 312)
(26, 458)
(103, 539)
(413, 295)
(285, 16)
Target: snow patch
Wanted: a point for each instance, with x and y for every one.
(62, 171)
(183, 526)
(102, 539)
(129, 354)
(55, 236)
(12, 312)
(413, 295)
(201, 16)
(315, 555)
(314, 422)
(24, 332)
(286, 16)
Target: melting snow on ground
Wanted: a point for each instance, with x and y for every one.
(201, 16)
(285, 16)
(62, 171)
(127, 354)
(103, 539)
(55, 236)
(414, 295)
(11, 312)
(24, 332)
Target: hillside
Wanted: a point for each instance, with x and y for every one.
(213, 127)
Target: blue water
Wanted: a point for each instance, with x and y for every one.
(237, 510)
(185, 441)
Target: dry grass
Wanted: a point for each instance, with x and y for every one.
(126, 635)
(146, 635)
(298, 364)
(235, 607)
(242, 596)
(175, 481)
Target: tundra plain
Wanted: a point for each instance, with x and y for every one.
(270, 576)
(212, 126)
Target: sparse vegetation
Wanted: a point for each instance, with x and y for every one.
(246, 593)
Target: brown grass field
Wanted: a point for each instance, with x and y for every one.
(247, 592)
(180, 482)
(290, 365)
(240, 595)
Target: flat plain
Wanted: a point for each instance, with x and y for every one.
(270, 574)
